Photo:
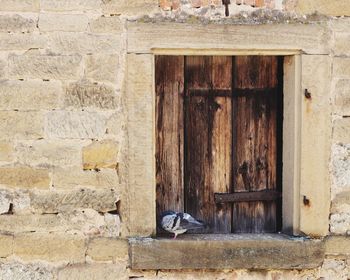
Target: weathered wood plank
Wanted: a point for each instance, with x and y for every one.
(169, 133)
(247, 196)
(255, 141)
(208, 140)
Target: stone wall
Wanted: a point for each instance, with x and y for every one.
(65, 203)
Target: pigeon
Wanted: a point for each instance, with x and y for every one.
(178, 223)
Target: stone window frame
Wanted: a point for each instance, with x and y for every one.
(307, 122)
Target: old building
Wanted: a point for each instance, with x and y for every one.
(113, 111)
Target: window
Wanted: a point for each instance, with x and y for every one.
(219, 140)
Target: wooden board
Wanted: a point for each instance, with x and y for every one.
(169, 133)
(208, 140)
(254, 141)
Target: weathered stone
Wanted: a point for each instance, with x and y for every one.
(341, 67)
(45, 66)
(11, 42)
(341, 43)
(57, 201)
(333, 8)
(107, 249)
(83, 43)
(312, 39)
(17, 201)
(16, 23)
(100, 67)
(6, 151)
(66, 124)
(342, 96)
(24, 177)
(21, 125)
(57, 22)
(129, 7)
(94, 271)
(316, 132)
(6, 245)
(44, 153)
(68, 178)
(85, 94)
(30, 95)
(340, 223)
(49, 247)
(106, 25)
(116, 125)
(3, 68)
(70, 5)
(101, 154)
(334, 268)
(341, 131)
(339, 200)
(19, 271)
(226, 252)
(340, 167)
(86, 221)
(338, 245)
(20, 5)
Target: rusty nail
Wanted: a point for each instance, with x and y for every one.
(306, 201)
(307, 94)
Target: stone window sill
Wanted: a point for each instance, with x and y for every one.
(232, 251)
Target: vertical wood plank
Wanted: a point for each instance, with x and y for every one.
(208, 140)
(169, 133)
(254, 148)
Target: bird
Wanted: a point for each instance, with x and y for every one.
(178, 222)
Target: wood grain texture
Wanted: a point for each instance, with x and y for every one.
(254, 143)
(208, 140)
(169, 133)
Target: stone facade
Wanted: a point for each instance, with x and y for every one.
(73, 156)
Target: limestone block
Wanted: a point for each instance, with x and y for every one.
(341, 43)
(94, 272)
(58, 201)
(58, 22)
(12, 42)
(83, 221)
(100, 67)
(316, 142)
(106, 25)
(68, 178)
(341, 202)
(129, 7)
(311, 39)
(116, 124)
(18, 198)
(6, 151)
(107, 249)
(341, 67)
(82, 43)
(70, 5)
(341, 131)
(16, 23)
(336, 245)
(340, 223)
(50, 247)
(6, 245)
(45, 66)
(30, 95)
(24, 177)
(66, 124)
(20, 271)
(49, 153)
(3, 68)
(85, 94)
(340, 167)
(342, 96)
(21, 125)
(332, 8)
(20, 5)
(101, 154)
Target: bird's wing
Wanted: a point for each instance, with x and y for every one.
(188, 222)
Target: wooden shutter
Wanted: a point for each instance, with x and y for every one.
(218, 135)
